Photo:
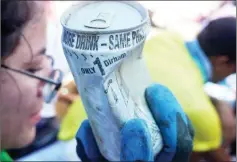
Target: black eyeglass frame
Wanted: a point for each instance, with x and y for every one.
(46, 80)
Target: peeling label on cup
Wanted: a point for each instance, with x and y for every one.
(117, 41)
(99, 65)
(111, 75)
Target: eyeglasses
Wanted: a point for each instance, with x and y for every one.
(52, 84)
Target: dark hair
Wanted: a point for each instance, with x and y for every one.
(218, 38)
(14, 16)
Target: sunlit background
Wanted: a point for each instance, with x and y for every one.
(185, 17)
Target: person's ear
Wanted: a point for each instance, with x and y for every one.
(232, 66)
(224, 63)
(221, 60)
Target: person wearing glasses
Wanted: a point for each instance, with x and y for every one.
(27, 79)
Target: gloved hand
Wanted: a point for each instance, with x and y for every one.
(176, 131)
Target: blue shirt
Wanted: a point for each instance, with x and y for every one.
(200, 59)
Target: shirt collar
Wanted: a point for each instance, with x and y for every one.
(200, 59)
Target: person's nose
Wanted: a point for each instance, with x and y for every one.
(45, 72)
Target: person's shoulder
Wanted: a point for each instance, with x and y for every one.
(164, 41)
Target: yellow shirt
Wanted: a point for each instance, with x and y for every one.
(170, 64)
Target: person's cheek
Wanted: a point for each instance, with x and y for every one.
(10, 93)
(29, 98)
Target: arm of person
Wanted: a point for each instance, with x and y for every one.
(217, 155)
(220, 96)
(69, 97)
(208, 132)
(68, 92)
(227, 118)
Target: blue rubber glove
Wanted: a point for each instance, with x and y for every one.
(176, 131)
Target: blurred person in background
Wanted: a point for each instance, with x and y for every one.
(226, 97)
(27, 79)
(184, 67)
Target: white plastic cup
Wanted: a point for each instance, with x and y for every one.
(103, 43)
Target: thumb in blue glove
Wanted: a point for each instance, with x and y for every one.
(175, 128)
